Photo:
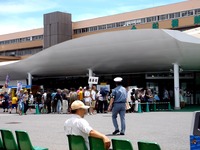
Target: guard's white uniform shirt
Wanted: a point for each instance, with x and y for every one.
(78, 126)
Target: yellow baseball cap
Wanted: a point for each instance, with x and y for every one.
(77, 104)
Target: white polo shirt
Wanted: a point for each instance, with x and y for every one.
(78, 126)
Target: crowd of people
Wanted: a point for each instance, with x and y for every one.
(59, 101)
(56, 101)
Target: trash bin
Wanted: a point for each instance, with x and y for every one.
(195, 132)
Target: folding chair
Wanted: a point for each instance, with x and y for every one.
(1, 145)
(148, 146)
(121, 144)
(24, 141)
(76, 142)
(9, 142)
(96, 143)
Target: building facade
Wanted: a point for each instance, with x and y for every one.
(58, 26)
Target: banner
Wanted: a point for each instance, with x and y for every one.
(7, 81)
(19, 86)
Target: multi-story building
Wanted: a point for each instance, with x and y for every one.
(147, 64)
(179, 16)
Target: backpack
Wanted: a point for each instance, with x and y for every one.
(104, 91)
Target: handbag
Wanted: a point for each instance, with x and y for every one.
(127, 106)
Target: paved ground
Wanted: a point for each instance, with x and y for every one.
(170, 129)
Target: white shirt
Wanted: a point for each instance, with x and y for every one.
(44, 96)
(78, 126)
(93, 93)
(86, 95)
(100, 97)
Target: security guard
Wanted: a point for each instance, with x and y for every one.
(118, 106)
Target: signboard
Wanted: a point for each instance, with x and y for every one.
(93, 80)
(99, 87)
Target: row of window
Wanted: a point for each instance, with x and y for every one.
(21, 52)
(20, 40)
(139, 21)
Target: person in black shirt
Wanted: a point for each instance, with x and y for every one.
(5, 102)
(38, 100)
(48, 102)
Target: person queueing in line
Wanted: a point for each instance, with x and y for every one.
(14, 103)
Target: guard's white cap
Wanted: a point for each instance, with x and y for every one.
(77, 104)
(118, 79)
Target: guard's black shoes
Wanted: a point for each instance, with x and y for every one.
(115, 132)
(122, 133)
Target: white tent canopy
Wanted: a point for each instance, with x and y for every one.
(128, 51)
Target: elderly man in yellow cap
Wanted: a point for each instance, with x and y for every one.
(77, 125)
(118, 106)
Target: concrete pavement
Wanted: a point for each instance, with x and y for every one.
(170, 129)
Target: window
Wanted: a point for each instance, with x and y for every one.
(197, 11)
(28, 39)
(122, 24)
(143, 20)
(138, 21)
(112, 25)
(77, 31)
(102, 27)
(128, 23)
(184, 13)
(37, 37)
(190, 13)
(85, 30)
(171, 16)
(163, 17)
(92, 28)
(177, 15)
(7, 42)
(151, 19)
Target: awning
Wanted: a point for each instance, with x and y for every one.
(128, 51)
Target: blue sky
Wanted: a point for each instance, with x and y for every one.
(20, 15)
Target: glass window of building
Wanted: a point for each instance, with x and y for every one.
(128, 23)
(171, 16)
(92, 29)
(85, 30)
(28, 39)
(151, 19)
(102, 27)
(112, 25)
(138, 21)
(143, 20)
(77, 31)
(163, 17)
(197, 11)
(7, 42)
(177, 15)
(122, 24)
(184, 13)
(37, 37)
(190, 13)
